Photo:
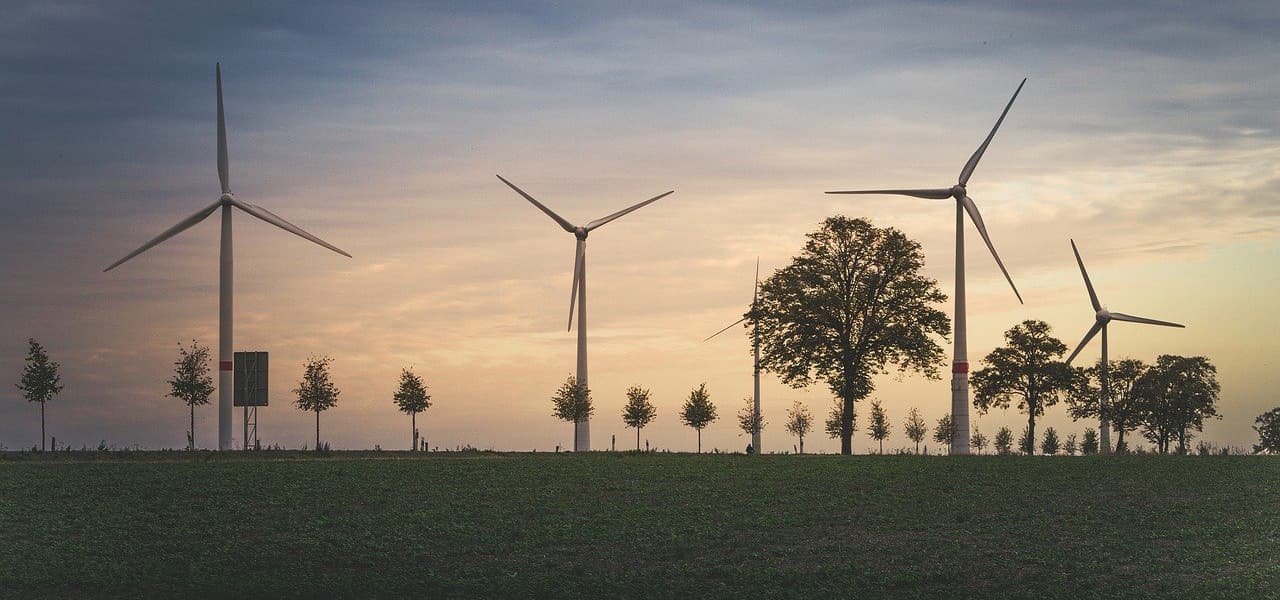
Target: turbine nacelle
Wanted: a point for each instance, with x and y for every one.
(580, 232)
(1102, 315)
(958, 191)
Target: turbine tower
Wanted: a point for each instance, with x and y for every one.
(582, 429)
(964, 204)
(755, 349)
(1102, 317)
(226, 201)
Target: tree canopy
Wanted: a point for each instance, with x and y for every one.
(1268, 427)
(853, 304)
(1176, 395)
(1124, 411)
(411, 397)
(1026, 370)
(572, 403)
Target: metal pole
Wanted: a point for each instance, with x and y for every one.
(960, 363)
(582, 429)
(1104, 403)
(755, 434)
(226, 374)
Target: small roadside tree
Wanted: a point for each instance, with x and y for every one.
(572, 403)
(1025, 370)
(698, 411)
(1004, 442)
(799, 422)
(978, 441)
(1050, 445)
(942, 432)
(40, 380)
(1089, 442)
(1071, 445)
(915, 427)
(191, 383)
(639, 411)
(316, 391)
(1268, 427)
(854, 304)
(749, 420)
(412, 398)
(879, 427)
(1026, 443)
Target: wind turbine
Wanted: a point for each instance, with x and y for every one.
(582, 429)
(964, 204)
(1102, 317)
(755, 348)
(226, 201)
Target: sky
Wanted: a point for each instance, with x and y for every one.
(1147, 133)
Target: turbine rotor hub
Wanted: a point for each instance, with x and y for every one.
(580, 232)
(957, 191)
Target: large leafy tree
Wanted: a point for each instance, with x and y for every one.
(1123, 408)
(879, 426)
(639, 411)
(412, 398)
(852, 305)
(799, 422)
(572, 403)
(1026, 370)
(915, 427)
(698, 411)
(316, 391)
(1175, 396)
(40, 380)
(1268, 427)
(192, 383)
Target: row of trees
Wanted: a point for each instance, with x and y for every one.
(1167, 402)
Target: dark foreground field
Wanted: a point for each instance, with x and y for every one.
(652, 526)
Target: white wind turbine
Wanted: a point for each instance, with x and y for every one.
(755, 349)
(1102, 317)
(964, 204)
(582, 429)
(225, 201)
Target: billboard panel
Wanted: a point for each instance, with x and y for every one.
(250, 379)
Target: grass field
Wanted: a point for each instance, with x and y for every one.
(644, 526)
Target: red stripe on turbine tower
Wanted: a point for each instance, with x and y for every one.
(226, 365)
(960, 367)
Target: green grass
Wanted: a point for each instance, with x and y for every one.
(644, 526)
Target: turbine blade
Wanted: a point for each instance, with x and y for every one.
(182, 225)
(577, 274)
(279, 221)
(1097, 326)
(932, 194)
(977, 155)
(972, 209)
(1132, 319)
(224, 168)
(755, 291)
(735, 323)
(1093, 296)
(550, 213)
(598, 222)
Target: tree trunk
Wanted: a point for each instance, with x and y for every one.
(1119, 437)
(881, 446)
(917, 447)
(699, 440)
(413, 418)
(192, 444)
(42, 448)
(802, 444)
(846, 423)
(1031, 430)
(317, 430)
(637, 439)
